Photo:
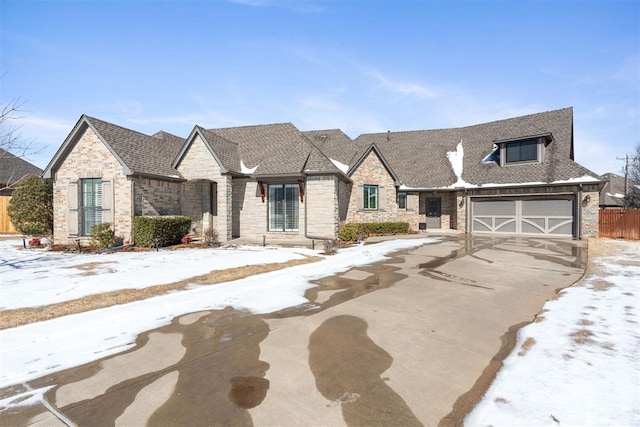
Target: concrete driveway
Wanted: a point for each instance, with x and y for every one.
(414, 340)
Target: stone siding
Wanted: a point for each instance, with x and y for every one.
(590, 211)
(200, 168)
(372, 172)
(321, 198)
(90, 158)
(448, 208)
(156, 197)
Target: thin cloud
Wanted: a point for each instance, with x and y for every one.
(400, 87)
(301, 6)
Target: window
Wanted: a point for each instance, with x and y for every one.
(91, 204)
(522, 151)
(283, 207)
(402, 200)
(370, 197)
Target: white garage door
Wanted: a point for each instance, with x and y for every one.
(543, 216)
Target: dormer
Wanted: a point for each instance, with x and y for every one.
(525, 150)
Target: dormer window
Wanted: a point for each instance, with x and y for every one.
(520, 151)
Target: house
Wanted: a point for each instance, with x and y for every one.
(614, 190)
(514, 176)
(13, 169)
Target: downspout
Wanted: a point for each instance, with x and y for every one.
(306, 213)
(133, 211)
(467, 213)
(579, 213)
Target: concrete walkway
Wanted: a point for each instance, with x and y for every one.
(410, 341)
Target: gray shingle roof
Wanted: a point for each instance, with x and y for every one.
(226, 150)
(334, 144)
(614, 188)
(13, 168)
(419, 158)
(275, 149)
(142, 154)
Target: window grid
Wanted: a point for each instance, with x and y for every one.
(370, 197)
(91, 203)
(402, 201)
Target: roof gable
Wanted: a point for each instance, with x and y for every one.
(373, 148)
(138, 153)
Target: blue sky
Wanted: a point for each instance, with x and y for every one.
(361, 66)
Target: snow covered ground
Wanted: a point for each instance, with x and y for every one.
(33, 350)
(579, 364)
(35, 277)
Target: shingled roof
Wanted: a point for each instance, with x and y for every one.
(274, 149)
(140, 154)
(13, 168)
(419, 158)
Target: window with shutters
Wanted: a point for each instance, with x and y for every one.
(283, 207)
(90, 204)
(370, 197)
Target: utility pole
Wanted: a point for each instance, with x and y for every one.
(626, 175)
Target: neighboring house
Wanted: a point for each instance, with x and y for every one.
(13, 169)
(514, 176)
(613, 191)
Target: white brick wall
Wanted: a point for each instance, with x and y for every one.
(90, 158)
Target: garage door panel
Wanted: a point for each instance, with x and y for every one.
(547, 207)
(560, 227)
(543, 216)
(495, 207)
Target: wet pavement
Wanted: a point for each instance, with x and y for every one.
(413, 340)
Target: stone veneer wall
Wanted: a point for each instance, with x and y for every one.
(448, 208)
(590, 214)
(321, 198)
(372, 172)
(156, 197)
(249, 211)
(199, 167)
(90, 158)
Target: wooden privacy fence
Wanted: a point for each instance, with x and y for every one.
(5, 224)
(619, 223)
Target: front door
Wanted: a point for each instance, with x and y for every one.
(434, 212)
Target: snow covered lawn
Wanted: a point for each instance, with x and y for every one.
(36, 277)
(33, 350)
(579, 363)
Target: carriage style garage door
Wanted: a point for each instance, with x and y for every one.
(535, 215)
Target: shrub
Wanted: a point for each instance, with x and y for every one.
(355, 231)
(31, 207)
(166, 230)
(186, 240)
(211, 237)
(102, 236)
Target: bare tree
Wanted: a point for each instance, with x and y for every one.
(11, 140)
(634, 164)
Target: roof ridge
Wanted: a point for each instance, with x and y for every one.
(253, 126)
(467, 126)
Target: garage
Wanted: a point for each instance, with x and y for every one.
(549, 216)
